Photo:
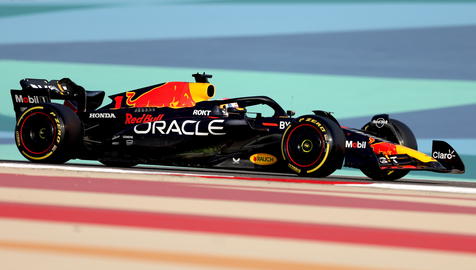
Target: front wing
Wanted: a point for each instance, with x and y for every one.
(364, 150)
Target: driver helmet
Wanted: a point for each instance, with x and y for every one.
(233, 107)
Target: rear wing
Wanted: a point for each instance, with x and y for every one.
(36, 91)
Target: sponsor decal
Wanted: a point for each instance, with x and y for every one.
(31, 99)
(17, 137)
(355, 145)
(294, 168)
(383, 160)
(314, 121)
(236, 161)
(388, 159)
(379, 122)
(440, 155)
(144, 118)
(284, 124)
(201, 112)
(187, 128)
(263, 159)
(102, 115)
(59, 132)
(371, 140)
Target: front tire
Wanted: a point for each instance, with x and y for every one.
(399, 134)
(48, 133)
(313, 146)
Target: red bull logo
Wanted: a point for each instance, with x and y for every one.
(144, 118)
(173, 95)
(384, 148)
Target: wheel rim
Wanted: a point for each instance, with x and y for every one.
(305, 145)
(37, 133)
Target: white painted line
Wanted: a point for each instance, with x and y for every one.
(449, 189)
(100, 170)
(73, 168)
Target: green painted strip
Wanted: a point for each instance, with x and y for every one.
(347, 96)
(7, 123)
(325, 1)
(10, 10)
(10, 152)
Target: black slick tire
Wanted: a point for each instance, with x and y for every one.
(48, 133)
(313, 146)
(400, 134)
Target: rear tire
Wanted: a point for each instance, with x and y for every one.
(313, 146)
(401, 134)
(48, 133)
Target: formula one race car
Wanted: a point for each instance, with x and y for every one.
(177, 124)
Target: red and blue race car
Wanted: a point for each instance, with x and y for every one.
(178, 123)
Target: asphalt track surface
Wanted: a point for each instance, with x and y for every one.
(87, 216)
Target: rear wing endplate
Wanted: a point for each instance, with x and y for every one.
(23, 99)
